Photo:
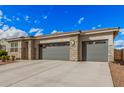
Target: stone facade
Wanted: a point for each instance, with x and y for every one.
(74, 48)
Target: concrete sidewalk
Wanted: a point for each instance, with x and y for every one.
(44, 73)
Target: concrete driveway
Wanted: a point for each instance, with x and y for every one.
(55, 73)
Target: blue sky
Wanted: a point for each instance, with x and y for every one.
(42, 19)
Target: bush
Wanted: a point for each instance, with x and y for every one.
(3, 53)
(3, 57)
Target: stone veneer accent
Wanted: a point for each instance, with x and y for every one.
(74, 48)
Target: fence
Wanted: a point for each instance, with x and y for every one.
(119, 55)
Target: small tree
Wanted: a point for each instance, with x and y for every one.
(3, 53)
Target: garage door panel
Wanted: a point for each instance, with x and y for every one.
(97, 51)
(56, 53)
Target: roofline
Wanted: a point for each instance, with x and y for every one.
(81, 32)
(18, 39)
(104, 30)
(63, 34)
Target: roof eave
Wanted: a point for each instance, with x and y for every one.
(100, 31)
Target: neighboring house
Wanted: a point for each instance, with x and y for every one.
(4, 45)
(93, 45)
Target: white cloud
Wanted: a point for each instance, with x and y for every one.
(1, 13)
(1, 31)
(39, 33)
(45, 17)
(119, 44)
(119, 48)
(7, 19)
(27, 18)
(12, 32)
(5, 27)
(1, 23)
(80, 20)
(35, 30)
(55, 31)
(2, 16)
(122, 31)
(17, 18)
(93, 28)
(99, 25)
(13, 17)
(36, 21)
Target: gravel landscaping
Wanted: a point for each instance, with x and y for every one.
(117, 72)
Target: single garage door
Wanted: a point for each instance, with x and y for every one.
(56, 51)
(96, 50)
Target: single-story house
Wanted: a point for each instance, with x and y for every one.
(92, 45)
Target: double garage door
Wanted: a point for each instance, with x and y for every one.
(95, 50)
(55, 51)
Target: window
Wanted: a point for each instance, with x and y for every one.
(56, 44)
(100, 42)
(14, 47)
(12, 44)
(90, 42)
(11, 49)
